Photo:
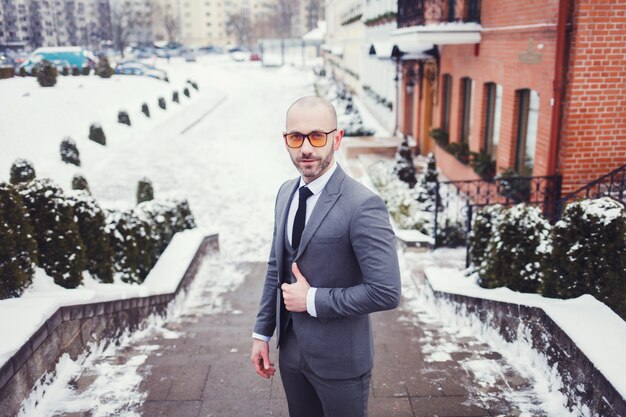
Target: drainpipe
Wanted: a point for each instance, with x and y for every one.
(563, 39)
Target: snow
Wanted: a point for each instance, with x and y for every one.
(584, 319)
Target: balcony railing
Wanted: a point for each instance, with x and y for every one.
(422, 12)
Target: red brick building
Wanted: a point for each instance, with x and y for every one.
(538, 85)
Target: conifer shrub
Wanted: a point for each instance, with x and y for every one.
(162, 103)
(123, 118)
(80, 183)
(85, 70)
(34, 72)
(405, 168)
(18, 248)
(516, 249)
(61, 250)
(46, 74)
(185, 219)
(484, 223)
(193, 84)
(145, 109)
(96, 238)
(65, 71)
(22, 72)
(589, 253)
(186, 92)
(451, 233)
(75, 71)
(145, 192)
(69, 152)
(175, 97)
(103, 68)
(96, 134)
(22, 171)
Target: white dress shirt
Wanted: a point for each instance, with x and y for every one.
(316, 186)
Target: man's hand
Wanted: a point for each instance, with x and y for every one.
(295, 294)
(260, 358)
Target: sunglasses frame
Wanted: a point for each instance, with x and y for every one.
(305, 137)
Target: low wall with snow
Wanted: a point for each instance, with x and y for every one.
(71, 328)
(583, 384)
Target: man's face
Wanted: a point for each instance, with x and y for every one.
(312, 161)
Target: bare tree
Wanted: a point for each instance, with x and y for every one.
(312, 14)
(238, 24)
(168, 18)
(122, 22)
(285, 12)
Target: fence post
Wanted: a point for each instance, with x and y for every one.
(437, 206)
(468, 229)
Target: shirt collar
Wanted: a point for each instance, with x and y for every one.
(317, 185)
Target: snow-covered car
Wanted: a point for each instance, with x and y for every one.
(139, 68)
(239, 56)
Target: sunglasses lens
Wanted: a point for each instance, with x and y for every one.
(294, 140)
(317, 139)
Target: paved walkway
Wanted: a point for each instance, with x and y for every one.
(205, 372)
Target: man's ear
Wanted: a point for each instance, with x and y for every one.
(337, 140)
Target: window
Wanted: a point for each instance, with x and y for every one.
(445, 105)
(527, 118)
(467, 91)
(493, 110)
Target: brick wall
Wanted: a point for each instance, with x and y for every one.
(593, 135)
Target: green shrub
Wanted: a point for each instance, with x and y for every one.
(46, 74)
(483, 164)
(186, 92)
(96, 134)
(96, 239)
(61, 250)
(459, 150)
(193, 84)
(123, 118)
(175, 97)
(451, 233)
(440, 136)
(484, 223)
(75, 71)
(80, 183)
(512, 186)
(18, 248)
(22, 171)
(162, 103)
(69, 152)
(145, 109)
(589, 253)
(404, 167)
(85, 70)
(516, 249)
(103, 68)
(145, 192)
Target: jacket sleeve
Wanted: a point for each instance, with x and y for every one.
(373, 242)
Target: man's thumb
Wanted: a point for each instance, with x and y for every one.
(296, 272)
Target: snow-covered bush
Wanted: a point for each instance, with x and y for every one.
(175, 97)
(69, 152)
(145, 109)
(18, 248)
(123, 118)
(484, 223)
(186, 92)
(96, 134)
(80, 183)
(193, 84)
(162, 103)
(85, 70)
(405, 167)
(75, 71)
(589, 253)
(145, 192)
(61, 250)
(22, 171)
(518, 245)
(46, 74)
(103, 68)
(96, 239)
(451, 232)
(65, 71)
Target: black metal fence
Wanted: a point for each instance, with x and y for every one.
(420, 12)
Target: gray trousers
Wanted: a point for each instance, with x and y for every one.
(308, 395)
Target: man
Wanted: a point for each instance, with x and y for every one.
(332, 262)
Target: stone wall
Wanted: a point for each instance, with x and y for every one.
(583, 384)
(71, 328)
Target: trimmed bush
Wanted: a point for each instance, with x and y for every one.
(80, 183)
(589, 253)
(451, 233)
(22, 171)
(85, 70)
(18, 248)
(186, 92)
(46, 74)
(96, 238)
(22, 72)
(69, 152)
(96, 134)
(75, 71)
(162, 103)
(103, 68)
(65, 71)
(123, 118)
(61, 250)
(193, 84)
(484, 223)
(405, 168)
(517, 246)
(145, 109)
(175, 97)
(145, 192)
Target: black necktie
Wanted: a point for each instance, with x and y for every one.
(298, 222)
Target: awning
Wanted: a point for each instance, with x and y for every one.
(407, 50)
(381, 49)
(336, 50)
(440, 34)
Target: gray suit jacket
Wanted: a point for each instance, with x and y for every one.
(348, 252)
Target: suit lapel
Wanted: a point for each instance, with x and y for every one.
(328, 198)
(283, 210)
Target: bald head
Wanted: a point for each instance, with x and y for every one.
(313, 106)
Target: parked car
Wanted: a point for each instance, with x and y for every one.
(189, 55)
(139, 68)
(60, 56)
